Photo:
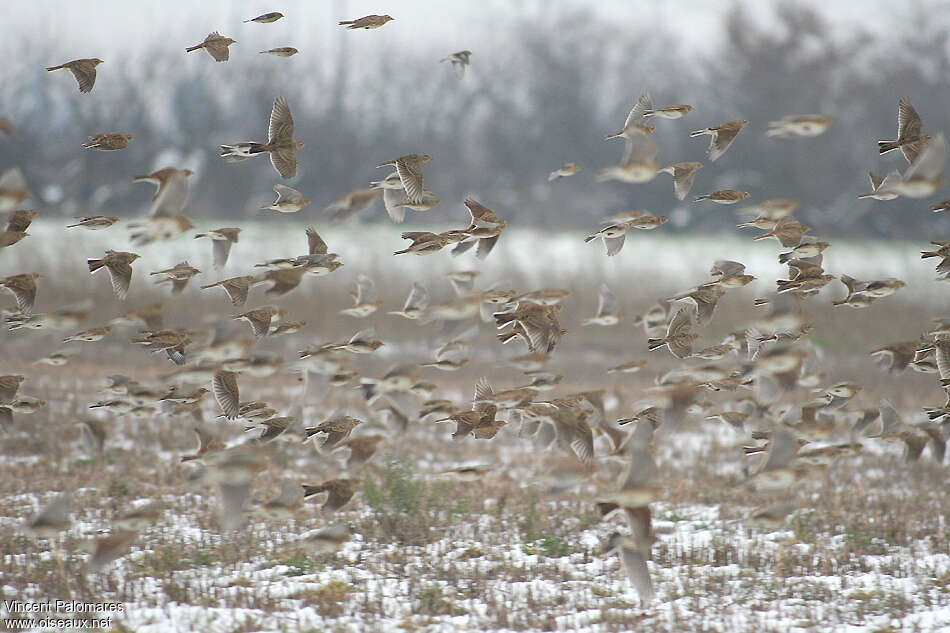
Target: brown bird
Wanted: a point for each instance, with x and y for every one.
(221, 241)
(216, 45)
(284, 279)
(178, 276)
(486, 227)
(679, 335)
(340, 491)
(235, 287)
(110, 141)
(6, 127)
(361, 448)
(94, 222)
(336, 430)
(224, 386)
(20, 220)
(280, 142)
(724, 196)
(459, 60)
(171, 192)
(119, 266)
(367, 22)
(23, 287)
(281, 51)
(351, 204)
(722, 137)
(683, 176)
(266, 18)
(260, 319)
(409, 169)
(84, 70)
(13, 189)
(910, 137)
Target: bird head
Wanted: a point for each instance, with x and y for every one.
(425, 158)
(388, 18)
(97, 61)
(299, 144)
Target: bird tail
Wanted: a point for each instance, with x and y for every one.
(504, 337)
(52, 68)
(698, 133)
(590, 237)
(402, 252)
(926, 254)
(763, 236)
(94, 264)
(345, 22)
(784, 257)
(886, 146)
(192, 48)
(654, 343)
(614, 135)
(702, 197)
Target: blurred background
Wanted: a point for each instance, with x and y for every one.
(546, 83)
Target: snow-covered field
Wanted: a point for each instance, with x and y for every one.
(868, 550)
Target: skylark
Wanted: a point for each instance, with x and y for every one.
(216, 45)
(677, 111)
(787, 231)
(485, 228)
(13, 189)
(910, 137)
(280, 142)
(178, 276)
(367, 22)
(119, 266)
(409, 168)
(351, 204)
(722, 137)
(235, 287)
(724, 196)
(801, 125)
(224, 386)
(109, 142)
(683, 176)
(679, 335)
(416, 302)
(84, 70)
(288, 200)
(459, 61)
(565, 170)
(608, 309)
(94, 222)
(364, 299)
(171, 192)
(635, 123)
(639, 162)
(925, 175)
(23, 287)
(266, 18)
(260, 319)
(221, 241)
(281, 51)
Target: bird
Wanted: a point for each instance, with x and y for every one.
(221, 241)
(179, 275)
(721, 137)
(679, 334)
(925, 174)
(367, 22)
(266, 18)
(638, 165)
(362, 449)
(94, 222)
(630, 550)
(224, 386)
(459, 61)
(171, 192)
(613, 236)
(485, 229)
(910, 137)
(724, 196)
(84, 70)
(409, 168)
(110, 141)
(801, 125)
(281, 51)
(364, 299)
(565, 170)
(235, 287)
(119, 266)
(634, 123)
(683, 176)
(351, 204)
(216, 45)
(416, 303)
(608, 309)
(677, 111)
(289, 200)
(23, 287)
(51, 519)
(280, 142)
(883, 188)
(260, 319)
(13, 189)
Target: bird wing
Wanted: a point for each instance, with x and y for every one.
(237, 289)
(20, 220)
(365, 290)
(171, 196)
(410, 174)
(644, 103)
(418, 298)
(930, 162)
(727, 268)
(890, 421)
(284, 161)
(392, 199)
(287, 194)
(218, 49)
(942, 354)
(281, 127)
(220, 249)
(485, 246)
(909, 124)
(782, 450)
(614, 244)
(637, 572)
(681, 323)
(85, 75)
(607, 302)
(120, 274)
(639, 149)
(315, 243)
(683, 182)
(720, 142)
(224, 386)
(480, 213)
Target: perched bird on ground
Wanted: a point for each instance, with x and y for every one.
(367, 22)
(216, 45)
(722, 137)
(110, 141)
(119, 266)
(84, 70)
(280, 142)
(288, 200)
(459, 61)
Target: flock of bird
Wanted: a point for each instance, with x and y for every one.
(768, 375)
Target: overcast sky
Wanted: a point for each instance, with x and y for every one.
(110, 27)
